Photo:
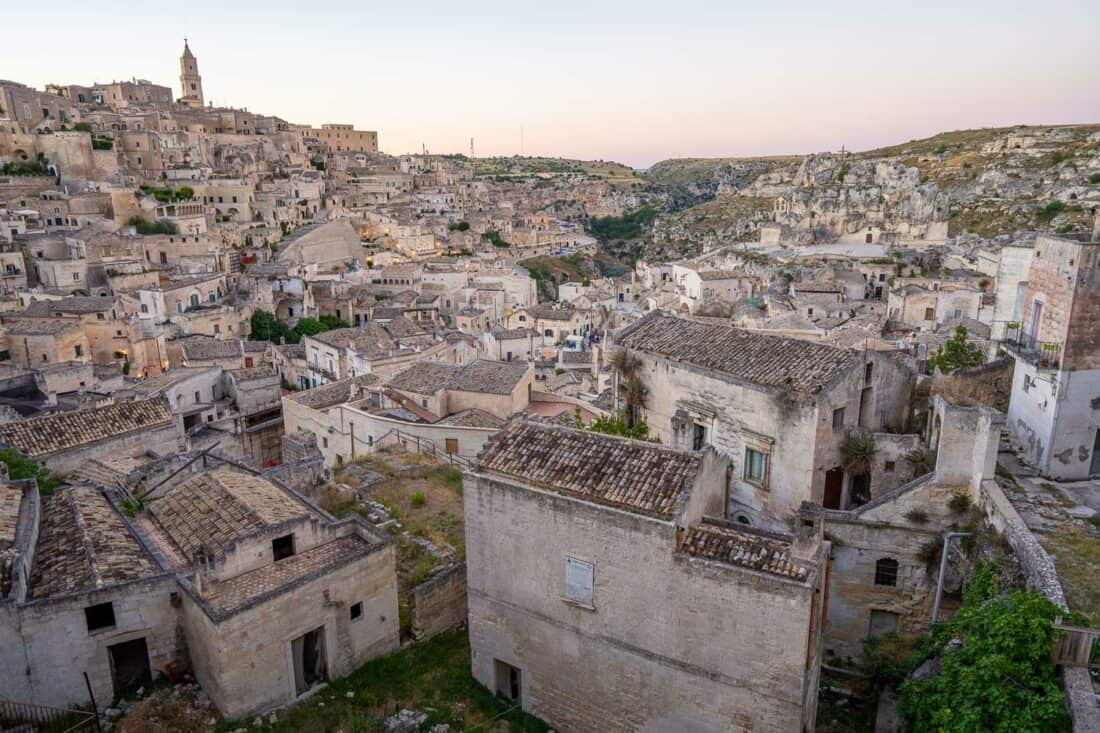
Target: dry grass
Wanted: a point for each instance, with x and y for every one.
(1076, 554)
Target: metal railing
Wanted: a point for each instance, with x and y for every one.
(1041, 354)
(43, 719)
(419, 444)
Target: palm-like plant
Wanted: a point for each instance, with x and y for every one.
(858, 451)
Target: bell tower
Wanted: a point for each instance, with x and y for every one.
(190, 81)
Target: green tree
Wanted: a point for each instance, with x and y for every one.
(957, 353)
(332, 322)
(266, 327)
(186, 192)
(996, 673)
(20, 467)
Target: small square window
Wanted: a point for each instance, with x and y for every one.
(100, 616)
(886, 572)
(356, 611)
(282, 547)
(890, 466)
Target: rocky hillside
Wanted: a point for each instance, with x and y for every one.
(976, 184)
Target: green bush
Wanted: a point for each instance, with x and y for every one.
(418, 498)
(627, 226)
(959, 503)
(100, 143)
(996, 672)
(160, 226)
(459, 226)
(1051, 210)
(20, 467)
(82, 127)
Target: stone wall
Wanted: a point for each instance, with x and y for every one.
(45, 646)
(1041, 575)
(668, 641)
(439, 603)
(244, 662)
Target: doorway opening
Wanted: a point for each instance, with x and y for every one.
(308, 652)
(508, 681)
(834, 488)
(129, 665)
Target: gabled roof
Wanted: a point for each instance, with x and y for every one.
(636, 476)
(775, 362)
(215, 509)
(41, 436)
(490, 377)
(84, 544)
(424, 377)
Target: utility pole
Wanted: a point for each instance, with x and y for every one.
(943, 569)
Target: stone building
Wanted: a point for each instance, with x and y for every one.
(779, 408)
(1056, 384)
(607, 592)
(254, 589)
(64, 441)
(342, 138)
(190, 80)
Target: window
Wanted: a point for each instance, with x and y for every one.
(282, 547)
(929, 314)
(99, 317)
(100, 616)
(324, 442)
(579, 577)
(756, 464)
(356, 611)
(868, 371)
(838, 418)
(886, 572)
(698, 437)
(78, 350)
(76, 276)
(890, 465)
(144, 308)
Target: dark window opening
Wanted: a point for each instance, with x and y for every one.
(886, 572)
(508, 682)
(699, 437)
(356, 610)
(100, 616)
(838, 418)
(282, 547)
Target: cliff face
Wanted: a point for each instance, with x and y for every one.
(968, 184)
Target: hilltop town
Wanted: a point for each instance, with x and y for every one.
(299, 435)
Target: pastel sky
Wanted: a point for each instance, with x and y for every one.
(635, 81)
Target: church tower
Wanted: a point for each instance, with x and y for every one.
(190, 81)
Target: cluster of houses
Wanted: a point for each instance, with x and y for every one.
(204, 312)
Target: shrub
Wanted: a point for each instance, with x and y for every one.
(100, 143)
(418, 498)
(957, 353)
(1051, 210)
(917, 516)
(459, 226)
(923, 460)
(20, 467)
(959, 503)
(160, 226)
(996, 672)
(1094, 179)
(82, 127)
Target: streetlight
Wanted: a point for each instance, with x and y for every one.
(943, 569)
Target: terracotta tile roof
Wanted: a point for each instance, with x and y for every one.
(84, 544)
(228, 597)
(333, 393)
(39, 436)
(206, 348)
(490, 377)
(744, 549)
(424, 377)
(769, 361)
(216, 508)
(42, 326)
(472, 418)
(640, 477)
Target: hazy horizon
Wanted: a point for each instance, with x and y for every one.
(633, 83)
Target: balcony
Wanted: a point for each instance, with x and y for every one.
(1026, 347)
